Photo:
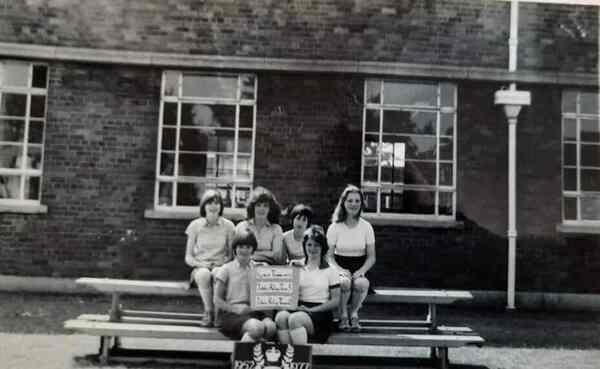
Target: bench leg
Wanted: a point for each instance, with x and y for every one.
(433, 353)
(104, 347)
(443, 356)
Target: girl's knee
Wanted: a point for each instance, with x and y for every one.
(203, 277)
(254, 328)
(345, 284)
(361, 284)
(281, 319)
(298, 320)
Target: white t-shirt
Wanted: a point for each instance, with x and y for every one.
(315, 284)
(291, 247)
(352, 241)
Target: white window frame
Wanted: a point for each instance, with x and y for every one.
(578, 193)
(234, 181)
(378, 186)
(22, 204)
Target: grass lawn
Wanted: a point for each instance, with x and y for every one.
(516, 339)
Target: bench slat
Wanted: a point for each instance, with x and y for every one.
(142, 320)
(429, 340)
(160, 314)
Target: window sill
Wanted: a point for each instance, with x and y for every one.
(403, 221)
(24, 208)
(231, 214)
(587, 228)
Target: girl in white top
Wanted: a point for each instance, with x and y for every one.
(318, 296)
(208, 247)
(352, 251)
(293, 251)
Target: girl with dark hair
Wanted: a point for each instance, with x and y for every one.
(319, 295)
(352, 251)
(232, 293)
(208, 247)
(301, 216)
(263, 213)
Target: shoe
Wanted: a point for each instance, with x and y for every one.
(344, 326)
(207, 321)
(355, 324)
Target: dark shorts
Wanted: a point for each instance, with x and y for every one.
(322, 323)
(353, 263)
(232, 323)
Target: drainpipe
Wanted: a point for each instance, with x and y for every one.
(512, 101)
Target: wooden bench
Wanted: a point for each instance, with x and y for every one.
(376, 336)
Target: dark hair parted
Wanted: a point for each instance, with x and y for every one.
(210, 196)
(259, 195)
(340, 214)
(243, 236)
(303, 211)
(317, 234)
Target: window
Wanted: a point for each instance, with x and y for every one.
(23, 88)
(206, 138)
(581, 157)
(409, 155)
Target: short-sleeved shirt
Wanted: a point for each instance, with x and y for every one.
(269, 239)
(210, 241)
(237, 281)
(350, 241)
(316, 283)
(292, 247)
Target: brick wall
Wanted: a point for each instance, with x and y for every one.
(447, 32)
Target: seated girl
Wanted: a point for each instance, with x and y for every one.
(319, 295)
(301, 216)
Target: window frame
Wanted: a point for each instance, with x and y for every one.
(23, 204)
(414, 219)
(233, 181)
(578, 193)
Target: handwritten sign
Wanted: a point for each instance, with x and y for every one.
(274, 287)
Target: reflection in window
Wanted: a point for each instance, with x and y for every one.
(408, 148)
(22, 85)
(206, 137)
(580, 156)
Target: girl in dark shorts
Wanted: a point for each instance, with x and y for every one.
(232, 294)
(319, 295)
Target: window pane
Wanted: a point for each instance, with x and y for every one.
(14, 74)
(165, 191)
(241, 196)
(245, 142)
(445, 203)
(36, 132)
(225, 191)
(40, 76)
(193, 164)
(447, 124)
(372, 120)
(208, 115)
(370, 155)
(448, 92)
(590, 180)
(569, 102)
(246, 116)
(446, 178)
(32, 188)
(209, 86)
(570, 179)
(570, 205)
(168, 138)
(219, 166)
(10, 187)
(409, 94)
(248, 83)
(420, 147)
(370, 201)
(9, 156)
(446, 149)
(570, 129)
(193, 139)
(590, 208)
(399, 121)
(34, 157)
(170, 88)
(38, 106)
(590, 130)
(590, 155)
(12, 130)
(169, 114)
(408, 201)
(570, 154)
(244, 168)
(392, 162)
(167, 164)
(392, 201)
(373, 92)
(419, 173)
(188, 194)
(588, 103)
(13, 104)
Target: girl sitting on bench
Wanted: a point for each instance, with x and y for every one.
(232, 294)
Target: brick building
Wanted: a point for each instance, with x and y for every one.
(125, 110)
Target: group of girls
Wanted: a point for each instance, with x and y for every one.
(333, 266)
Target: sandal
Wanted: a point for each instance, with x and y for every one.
(355, 324)
(344, 326)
